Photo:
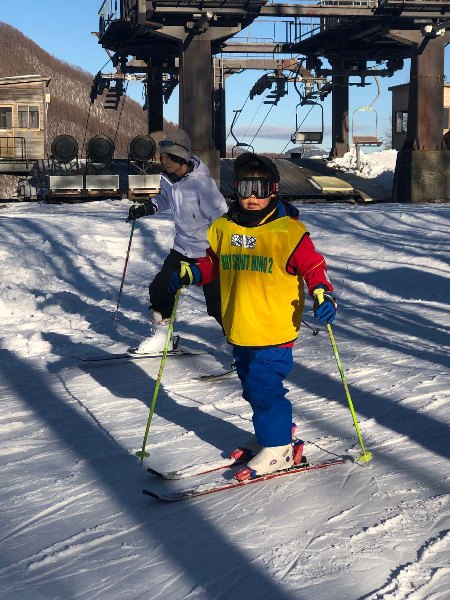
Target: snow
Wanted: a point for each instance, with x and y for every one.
(377, 166)
(372, 164)
(75, 524)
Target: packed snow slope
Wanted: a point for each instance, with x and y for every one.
(74, 523)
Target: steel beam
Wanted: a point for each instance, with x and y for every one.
(264, 64)
(426, 97)
(422, 171)
(155, 99)
(196, 92)
(192, 10)
(240, 48)
(412, 10)
(339, 109)
(315, 10)
(219, 112)
(411, 36)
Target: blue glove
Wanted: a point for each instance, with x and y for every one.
(187, 275)
(324, 305)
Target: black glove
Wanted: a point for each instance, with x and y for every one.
(141, 210)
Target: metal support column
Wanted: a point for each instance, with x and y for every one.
(426, 97)
(154, 99)
(196, 91)
(340, 121)
(422, 171)
(219, 121)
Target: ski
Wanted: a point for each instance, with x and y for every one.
(211, 466)
(220, 486)
(128, 356)
(195, 471)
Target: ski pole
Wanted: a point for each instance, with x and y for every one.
(142, 453)
(116, 317)
(364, 456)
(314, 330)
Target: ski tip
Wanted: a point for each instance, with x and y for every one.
(152, 494)
(215, 376)
(155, 472)
(165, 497)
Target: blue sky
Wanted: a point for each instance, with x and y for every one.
(64, 28)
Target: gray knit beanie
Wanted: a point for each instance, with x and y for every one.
(177, 143)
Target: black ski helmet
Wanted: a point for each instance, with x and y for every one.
(249, 159)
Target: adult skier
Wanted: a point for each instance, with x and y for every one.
(188, 190)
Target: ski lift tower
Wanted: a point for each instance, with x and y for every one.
(176, 39)
(391, 31)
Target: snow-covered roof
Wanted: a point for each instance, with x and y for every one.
(24, 79)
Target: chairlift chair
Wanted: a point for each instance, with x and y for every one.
(373, 140)
(249, 148)
(303, 137)
(366, 140)
(238, 144)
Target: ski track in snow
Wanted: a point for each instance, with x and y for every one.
(74, 522)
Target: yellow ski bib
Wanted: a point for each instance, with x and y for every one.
(262, 304)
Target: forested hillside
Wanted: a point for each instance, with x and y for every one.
(69, 106)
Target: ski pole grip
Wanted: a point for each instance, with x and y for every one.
(318, 293)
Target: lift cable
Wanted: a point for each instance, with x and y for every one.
(89, 112)
(86, 128)
(271, 98)
(301, 96)
(239, 111)
(238, 144)
(264, 120)
(372, 140)
(370, 106)
(300, 64)
(254, 117)
(238, 115)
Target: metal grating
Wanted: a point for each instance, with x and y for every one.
(206, 4)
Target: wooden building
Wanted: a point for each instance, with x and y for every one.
(400, 97)
(23, 119)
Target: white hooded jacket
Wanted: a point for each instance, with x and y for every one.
(195, 202)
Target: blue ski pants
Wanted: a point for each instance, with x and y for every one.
(262, 372)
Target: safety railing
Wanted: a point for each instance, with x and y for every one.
(10, 146)
(356, 3)
(109, 11)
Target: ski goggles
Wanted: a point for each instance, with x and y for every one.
(255, 186)
(167, 144)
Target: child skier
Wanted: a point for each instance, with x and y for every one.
(263, 255)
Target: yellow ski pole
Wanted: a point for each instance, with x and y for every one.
(142, 453)
(364, 456)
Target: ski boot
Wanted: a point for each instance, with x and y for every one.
(156, 341)
(251, 447)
